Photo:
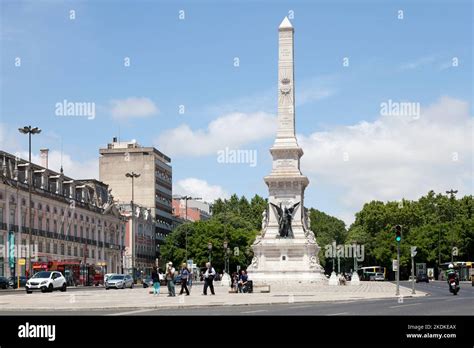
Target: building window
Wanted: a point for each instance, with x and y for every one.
(47, 208)
(48, 247)
(55, 226)
(93, 253)
(40, 247)
(1, 215)
(75, 251)
(87, 232)
(87, 252)
(47, 225)
(81, 252)
(82, 232)
(68, 250)
(62, 249)
(55, 248)
(75, 230)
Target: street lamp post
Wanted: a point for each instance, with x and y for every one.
(186, 199)
(226, 243)
(133, 175)
(30, 131)
(452, 193)
(209, 247)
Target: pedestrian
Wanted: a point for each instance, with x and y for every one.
(235, 281)
(209, 278)
(243, 280)
(190, 280)
(170, 279)
(156, 281)
(184, 279)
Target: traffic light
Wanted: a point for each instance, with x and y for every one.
(398, 233)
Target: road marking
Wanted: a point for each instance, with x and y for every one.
(296, 307)
(410, 304)
(257, 311)
(343, 313)
(133, 312)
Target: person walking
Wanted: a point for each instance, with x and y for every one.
(184, 279)
(156, 281)
(170, 279)
(209, 276)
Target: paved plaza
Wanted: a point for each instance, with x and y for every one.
(140, 298)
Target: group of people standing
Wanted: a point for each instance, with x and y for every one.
(186, 279)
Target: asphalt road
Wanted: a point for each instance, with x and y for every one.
(439, 302)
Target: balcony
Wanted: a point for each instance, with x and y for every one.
(3, 226)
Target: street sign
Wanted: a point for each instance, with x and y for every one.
(238, 268)
(236, 251)
(21, 262)
(394, 265)
(455, 251)
(413, 251)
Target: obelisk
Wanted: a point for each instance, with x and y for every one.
(283, 254)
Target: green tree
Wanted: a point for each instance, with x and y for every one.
(327, 229)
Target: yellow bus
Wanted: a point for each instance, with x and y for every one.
(368, 273)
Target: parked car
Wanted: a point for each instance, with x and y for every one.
(3, 282)
(379, 277)
(46, 281)
(422, 277)
(13, 281)
(147, 282)
(107, 276)
(119, 281)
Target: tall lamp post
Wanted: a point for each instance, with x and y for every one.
(133, 175)
(30, 131)
(209, 247)
(186, 199)
(452, 193)
(226, 258)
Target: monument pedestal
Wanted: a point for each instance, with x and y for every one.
(285, 261)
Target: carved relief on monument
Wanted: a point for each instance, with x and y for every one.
(286, 34)
(255, 261)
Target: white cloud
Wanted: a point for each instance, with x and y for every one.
(233, 131)
(394, 157)
(418, 63)
(132, 108)
(200, 188)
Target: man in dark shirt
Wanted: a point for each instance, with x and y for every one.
(243, 279)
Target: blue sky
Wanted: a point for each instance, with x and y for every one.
(190, 62)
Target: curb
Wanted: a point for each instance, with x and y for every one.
(195, 306)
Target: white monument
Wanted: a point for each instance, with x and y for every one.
(286, 249)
